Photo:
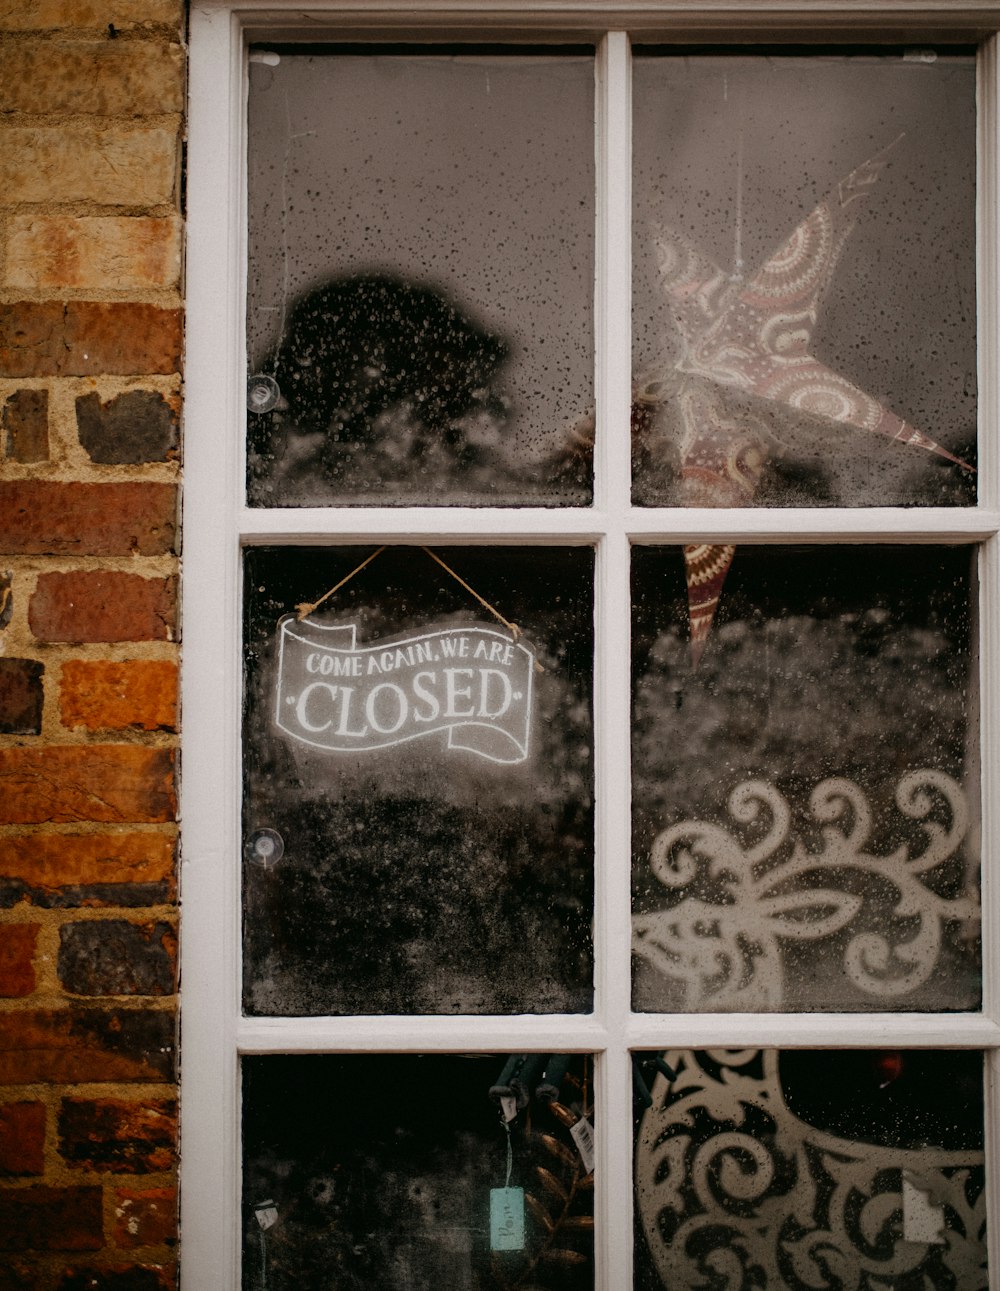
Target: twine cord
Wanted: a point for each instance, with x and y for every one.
(512, 628)
(305, 608)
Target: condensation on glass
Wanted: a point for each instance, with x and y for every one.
(804, 280)
(421, 268)
(861, 1169)
(445, 863)
(406, 1171)
(805, 809)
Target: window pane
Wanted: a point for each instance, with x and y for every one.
(804, 307)
(394, 1172)
(421, 276)
(807, 1169)
(806, 783)
(418, 794)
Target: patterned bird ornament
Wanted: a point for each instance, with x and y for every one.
(745, 341)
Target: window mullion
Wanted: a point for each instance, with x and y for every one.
(612, 489)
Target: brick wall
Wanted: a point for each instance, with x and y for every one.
(91, 94)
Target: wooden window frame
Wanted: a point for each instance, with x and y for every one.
(218, 525)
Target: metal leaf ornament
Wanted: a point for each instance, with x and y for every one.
(559, 1192)
(750, 338)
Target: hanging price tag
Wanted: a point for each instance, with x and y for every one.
(583, 1137)
(506, 1219)
(266, 1213)
(508, 1107)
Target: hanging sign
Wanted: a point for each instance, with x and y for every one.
(473, 683)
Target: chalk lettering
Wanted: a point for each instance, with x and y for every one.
(373, 706)
(506, 693)
(428, 696)
(483, 708)
(455, 692)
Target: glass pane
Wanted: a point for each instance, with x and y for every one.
(757, 1169)
(421, 276)
(805, 811)
(804, 308)
(418, 788)
(401, 1172)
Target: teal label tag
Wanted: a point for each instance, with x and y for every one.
(506, 1219)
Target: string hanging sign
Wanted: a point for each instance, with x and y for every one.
(470, 684)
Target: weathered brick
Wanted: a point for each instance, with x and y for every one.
(73, 1045)
(127, 253)
(138, 426)
(6, 596)
(51, 1219)
(53, 518)
(21, 696)
(22, 1138)
(112, 1134)
(25, 422)
(111, 165)
(94, 605)
(17, 953)
(64, 870)
(87, 338)
(136, 1277)
(99, 15)
(145, 1217)
(99, 782)
(104, 78)
(116, 957)
(140, 695)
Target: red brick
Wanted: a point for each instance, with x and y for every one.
(22, 1138)
(17, 953)
(105, 78)
(91, 252)
(119, 1136)
(132, 164)
(117, 957)
(87, 338)
(26, 421)
(98, 605)
(51, 518)
(78, 1044)
(51, 1219)
(98, 15)
(99, 782)
(21, 696)
(140, 694)
(137, 426)
(146, 1217)
(45, 867)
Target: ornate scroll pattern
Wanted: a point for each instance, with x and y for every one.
(735, 1193)
(723, 940)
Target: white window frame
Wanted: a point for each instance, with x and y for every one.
(217, 524)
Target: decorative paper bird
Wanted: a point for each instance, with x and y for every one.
(749, 338)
